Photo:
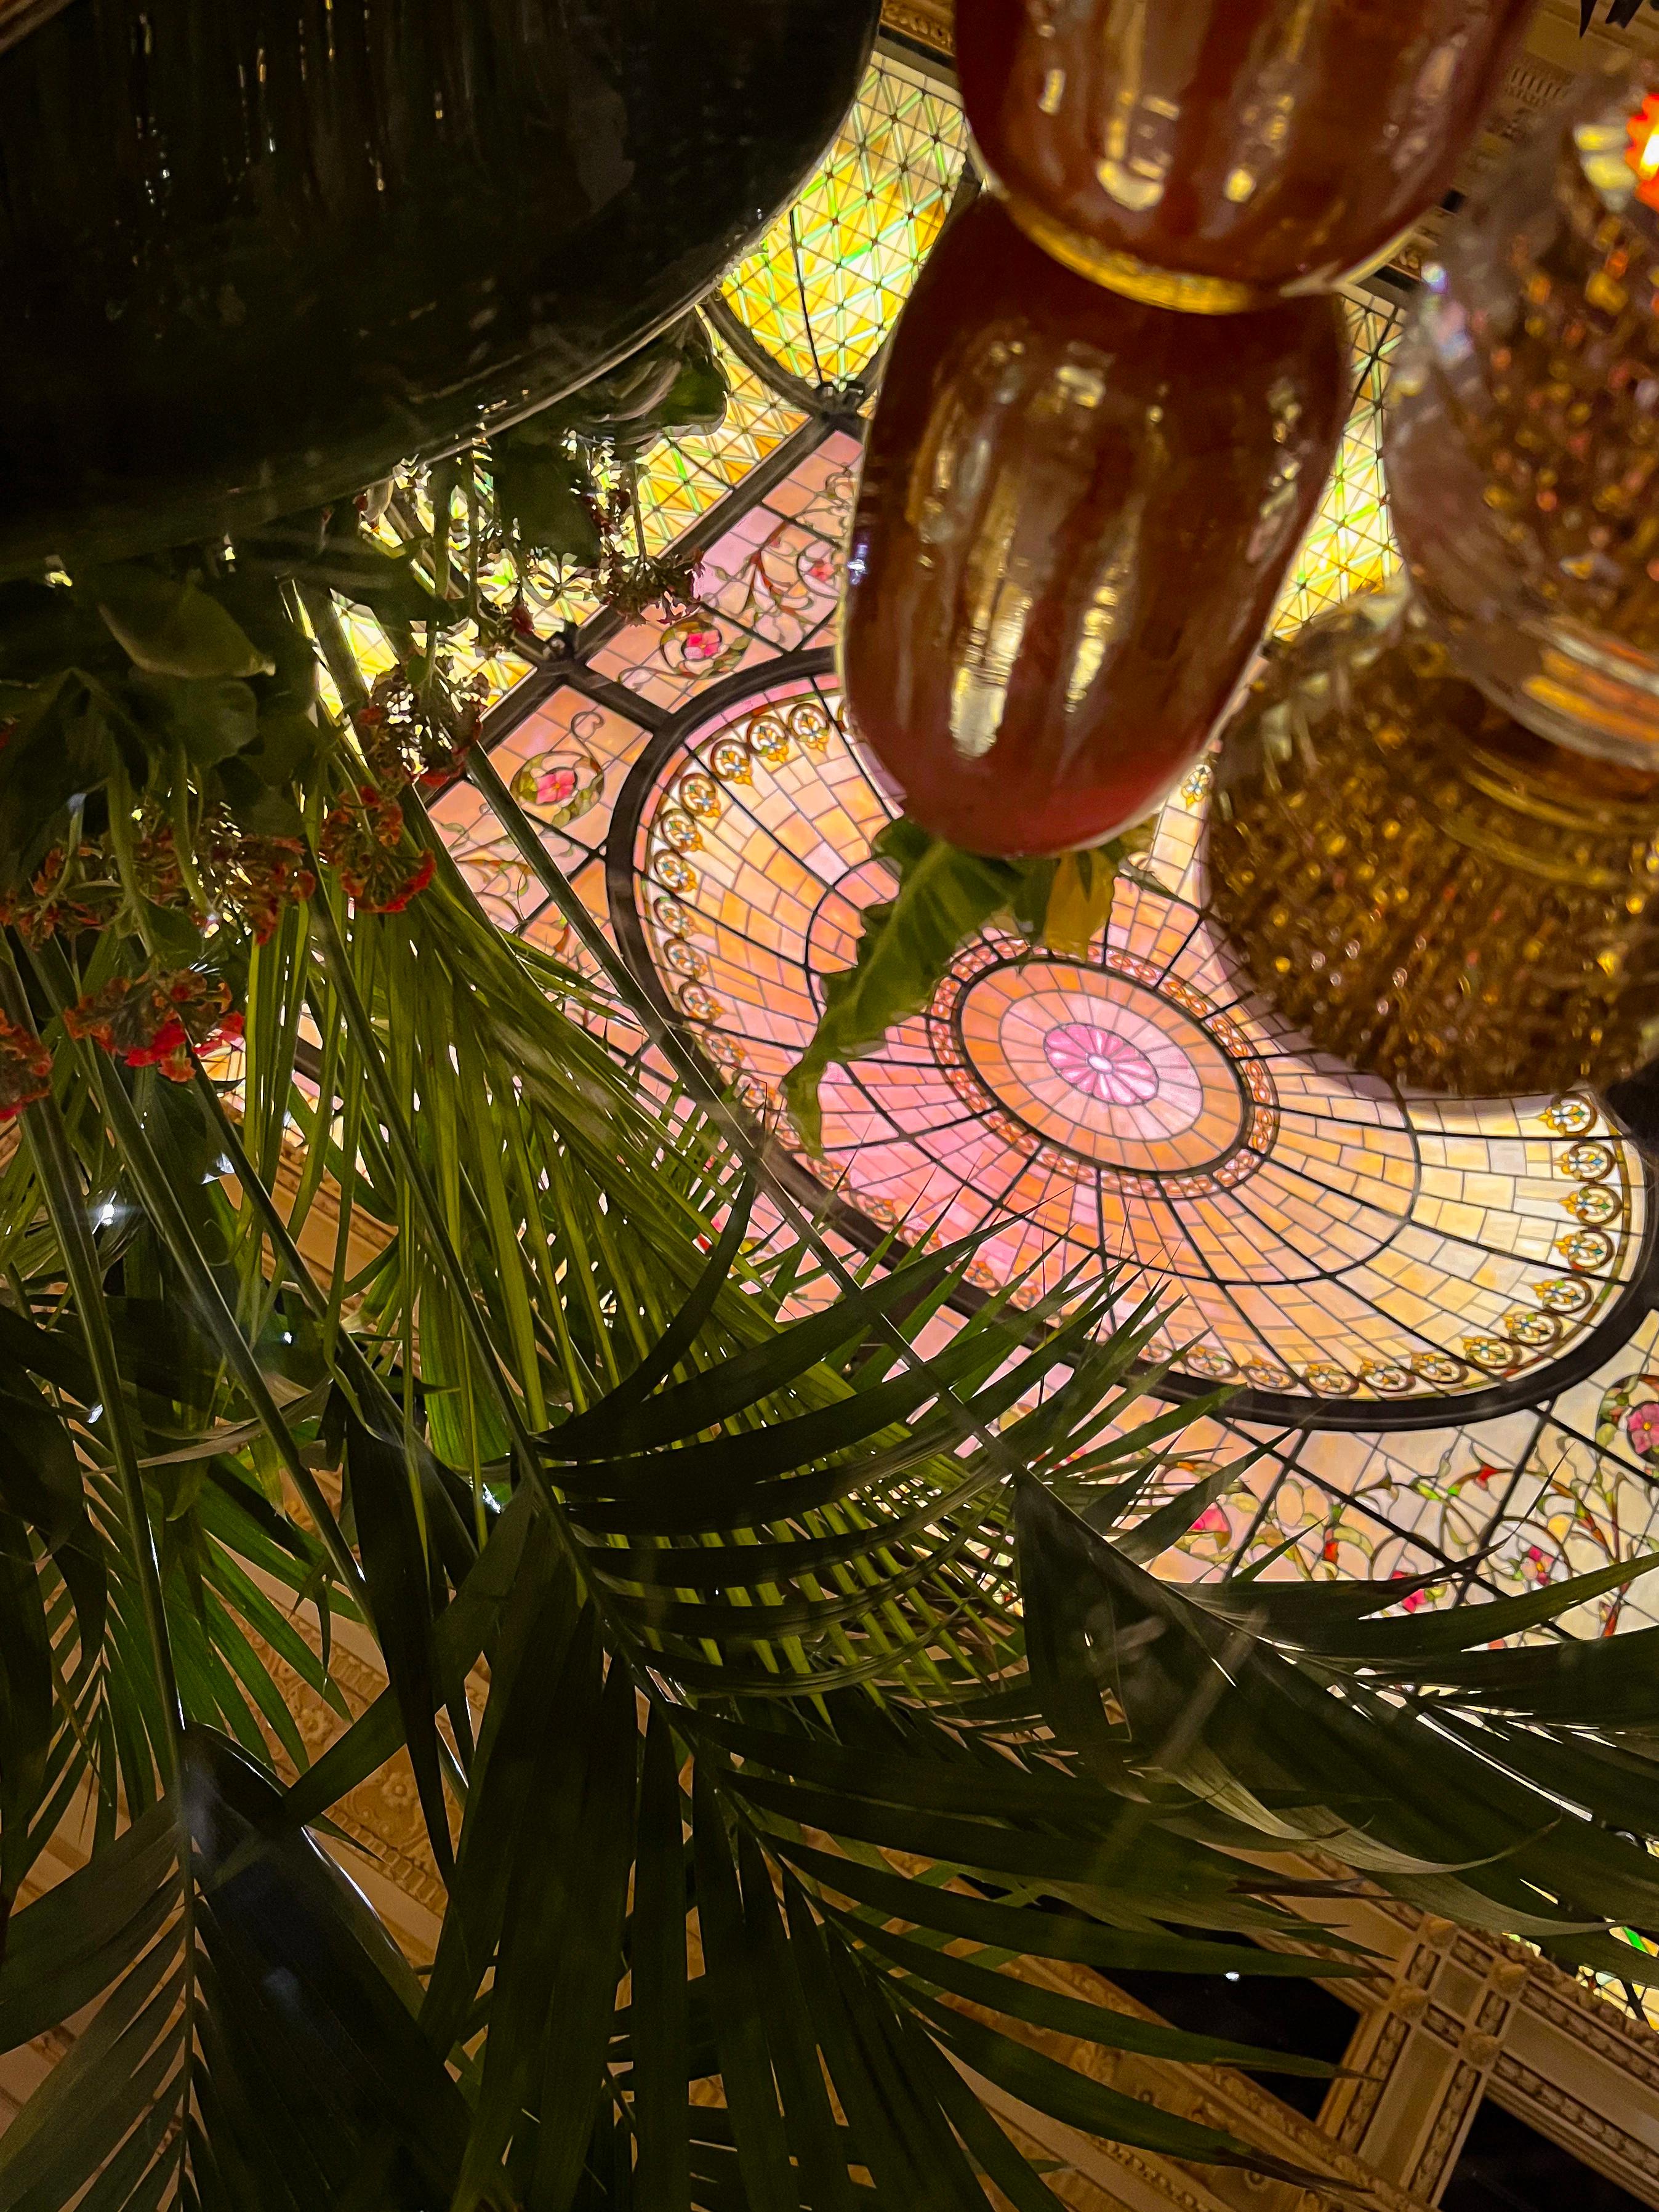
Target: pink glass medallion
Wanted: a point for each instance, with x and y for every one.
(1280, 1204)
(1100, 1064)
(1115, 1071)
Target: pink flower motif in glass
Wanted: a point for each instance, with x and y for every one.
(1100, 1064)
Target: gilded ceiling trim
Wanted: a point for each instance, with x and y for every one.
(928, 22)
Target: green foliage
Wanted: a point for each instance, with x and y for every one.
(547, 498)
(542, 475)
(181, 685)
(826, 1699)
(780, 1701)
(169, 626)
(906, 945)
(332, 550)
(196, 2082)
(944, 898)
(671, 386)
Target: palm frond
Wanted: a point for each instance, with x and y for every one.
(828, 1705)
(256, 2045)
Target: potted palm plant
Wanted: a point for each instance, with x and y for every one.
(781, 1697)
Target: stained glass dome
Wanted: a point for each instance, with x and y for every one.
(1436, 1316)
(1325, 1236)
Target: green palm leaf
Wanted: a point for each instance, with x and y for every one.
(827, 1702)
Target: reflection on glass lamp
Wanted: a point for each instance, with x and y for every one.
(1436, 842)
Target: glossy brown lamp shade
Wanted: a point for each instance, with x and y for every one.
(1074, 516)
(1210, 154)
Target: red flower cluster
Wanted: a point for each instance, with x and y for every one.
(25, 1070)
(71, 891)
(633, 586)
(82, 889)
(156, 866)
(361, 841)
(404, 742)
(255, 877)
(153, 1021)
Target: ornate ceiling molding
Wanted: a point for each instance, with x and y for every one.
(928, 22)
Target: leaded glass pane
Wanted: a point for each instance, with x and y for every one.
(1438, 1308)
(825, 285)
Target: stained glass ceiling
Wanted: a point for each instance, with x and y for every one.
(824, 287)
(1325, 1235)
(1438, 1312)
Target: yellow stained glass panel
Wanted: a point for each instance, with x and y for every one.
(1350, 547)
(826, 284)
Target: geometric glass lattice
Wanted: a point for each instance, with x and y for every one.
(1350, 547)
(770, 584)
(825, 285)
(684, 478)
(1495, 1507)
